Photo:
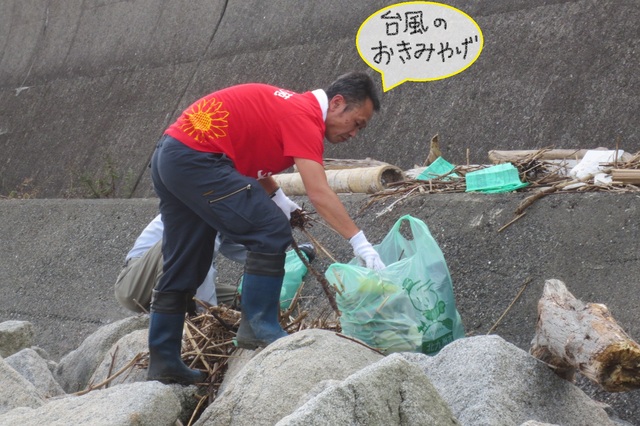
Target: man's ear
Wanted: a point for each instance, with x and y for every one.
(336, 103)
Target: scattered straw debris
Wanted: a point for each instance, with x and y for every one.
(208, 344)
(543, 176)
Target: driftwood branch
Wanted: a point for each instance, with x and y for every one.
(573, 336)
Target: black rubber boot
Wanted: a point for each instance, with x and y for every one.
(260, 300)
(165, 340)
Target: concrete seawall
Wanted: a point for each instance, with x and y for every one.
(87, 87)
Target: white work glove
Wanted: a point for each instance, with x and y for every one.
(285, 203)
(365, 252)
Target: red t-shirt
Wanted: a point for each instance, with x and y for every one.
(260, 127)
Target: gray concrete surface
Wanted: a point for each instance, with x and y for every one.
(87, 87)
(59, 260)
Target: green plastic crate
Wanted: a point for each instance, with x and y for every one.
(500, 178)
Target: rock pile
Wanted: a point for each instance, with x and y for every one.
(313, 377)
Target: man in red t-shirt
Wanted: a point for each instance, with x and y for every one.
(212, 171)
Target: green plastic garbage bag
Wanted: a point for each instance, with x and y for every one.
(407, 306)
(294, 272)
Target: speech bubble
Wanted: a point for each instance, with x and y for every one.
(418, 41)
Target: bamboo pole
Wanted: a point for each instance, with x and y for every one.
(626, 176)
(497, 156)
(368, 180)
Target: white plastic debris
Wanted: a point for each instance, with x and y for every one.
(602, 179)
(591, 162)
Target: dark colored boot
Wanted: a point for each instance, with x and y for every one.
(260, 300)
(165, 340)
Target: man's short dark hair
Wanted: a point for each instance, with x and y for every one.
(355, 87)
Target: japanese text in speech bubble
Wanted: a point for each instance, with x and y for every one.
(418, 41)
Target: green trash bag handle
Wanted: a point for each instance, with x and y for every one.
(419, 229)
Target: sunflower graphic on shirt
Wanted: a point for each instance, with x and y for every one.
(204, 120)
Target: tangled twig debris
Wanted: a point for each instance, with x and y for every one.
(208, 345)
(543, 176)
(135, 361)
